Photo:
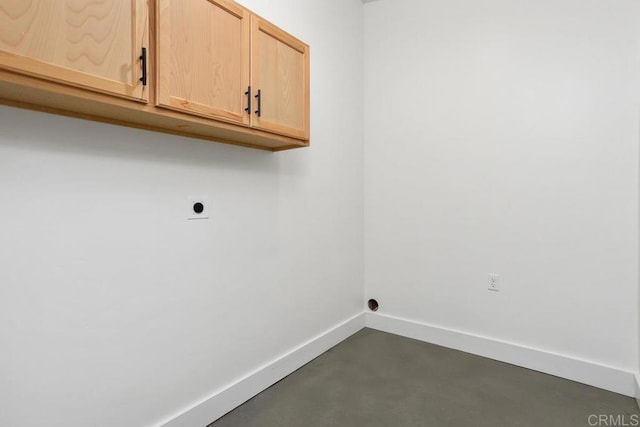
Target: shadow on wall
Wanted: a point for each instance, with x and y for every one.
(30, 130)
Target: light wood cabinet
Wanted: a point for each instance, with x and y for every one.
(203, 58)
(280, 72)
(218, 60)
(96, 45)
(212, 68)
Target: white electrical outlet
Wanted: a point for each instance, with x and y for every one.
(494, 282)
(197, 208)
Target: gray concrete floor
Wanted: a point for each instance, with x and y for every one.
(379, 379)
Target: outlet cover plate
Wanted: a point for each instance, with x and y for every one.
(494, 282)
(191, 212)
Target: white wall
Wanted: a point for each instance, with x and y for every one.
(502, 137)
(117, 311)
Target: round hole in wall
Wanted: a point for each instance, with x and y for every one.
(198, 207)
(373, 305)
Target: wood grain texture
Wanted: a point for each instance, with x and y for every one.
(203, 50)
(66, 94)
(280, 69)
(94, 44)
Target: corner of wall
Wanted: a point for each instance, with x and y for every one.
(638, 389)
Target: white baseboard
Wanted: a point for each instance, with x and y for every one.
(594, 374)
(232, 396)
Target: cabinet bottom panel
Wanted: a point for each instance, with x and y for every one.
(26, 92)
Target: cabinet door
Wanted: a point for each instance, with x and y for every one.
(280, 71)
(203, 58)
(93, 44)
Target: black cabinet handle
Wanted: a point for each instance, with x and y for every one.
(259, 96)
(143, 58)
(248, 93)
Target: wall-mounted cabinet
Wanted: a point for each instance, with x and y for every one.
(203, 58)
(216, 59)
(95, 45)
(280, 74)
(209, 69)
